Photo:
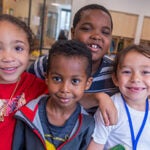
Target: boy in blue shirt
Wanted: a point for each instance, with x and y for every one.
(58, 121)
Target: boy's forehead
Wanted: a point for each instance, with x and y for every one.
(94, 14)
(68, 60)
(95, 17)
(71, 58)
(93, 11)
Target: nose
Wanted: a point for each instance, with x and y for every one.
(96, 36)
(135, 77)
(65, 87)
(6, 56)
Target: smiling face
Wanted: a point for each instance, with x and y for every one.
(94, 29)
(133, 77)
(14, 52)
(67, 80)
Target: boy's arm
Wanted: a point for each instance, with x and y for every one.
(105, 103)
(95, 146)
(38, 67)
(107, 108)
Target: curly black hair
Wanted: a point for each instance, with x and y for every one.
(71, 48)
(22, 25)
(78, 14)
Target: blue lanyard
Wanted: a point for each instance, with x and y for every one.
(135, 140)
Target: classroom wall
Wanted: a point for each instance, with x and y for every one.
(137, 7)
(19, 8)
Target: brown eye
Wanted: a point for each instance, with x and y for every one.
(19, 48)
(76, 81)
(146, 72)
(57, 79)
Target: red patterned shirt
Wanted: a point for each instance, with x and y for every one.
(29, 87)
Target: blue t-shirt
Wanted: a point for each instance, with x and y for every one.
(57, 134)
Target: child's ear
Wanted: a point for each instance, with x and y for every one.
(72, 33)
(114, 78)
(88, 83)
(46, 79)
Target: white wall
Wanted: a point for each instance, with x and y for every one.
(138, 7)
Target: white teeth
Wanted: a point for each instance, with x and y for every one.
(9, 69)
(94, 46)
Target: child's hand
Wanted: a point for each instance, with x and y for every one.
(107, 109)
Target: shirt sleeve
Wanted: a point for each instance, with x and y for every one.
(39, 67)
(101, 132)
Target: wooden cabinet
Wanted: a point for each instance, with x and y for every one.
(145, 36)
(124, 29)
(146, 29)
(119, 42)
(145, 42)
(124, 24)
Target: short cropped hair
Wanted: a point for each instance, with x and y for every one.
(71, 48)
(78, 14)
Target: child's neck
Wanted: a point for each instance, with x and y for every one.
(138, 105)
(95, 66)
(57, 115)
(9, 82)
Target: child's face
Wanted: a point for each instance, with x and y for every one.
(67, 80)
(14, 52)
(133, 76)
(94, 29)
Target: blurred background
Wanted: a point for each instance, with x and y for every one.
(52, 19)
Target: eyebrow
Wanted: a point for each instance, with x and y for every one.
(126, 66)
(89, 23)
(18, 41)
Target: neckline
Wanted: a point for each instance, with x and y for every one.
(133, 138)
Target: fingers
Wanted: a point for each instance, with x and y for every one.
(107, 108)
(112, 116)
(109, 116)
(105, 118)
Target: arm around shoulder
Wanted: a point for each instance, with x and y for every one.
(107, 108)
(39, 66)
